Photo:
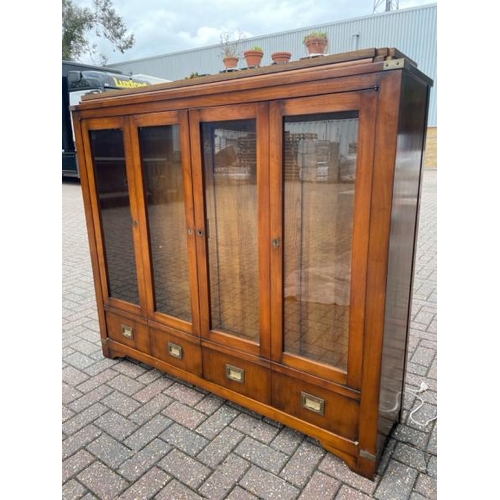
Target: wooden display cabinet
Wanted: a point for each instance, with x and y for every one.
(253, 233)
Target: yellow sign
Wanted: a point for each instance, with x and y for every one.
(128, 84)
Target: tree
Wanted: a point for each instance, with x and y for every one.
(102, 20)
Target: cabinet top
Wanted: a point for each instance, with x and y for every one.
(360, 61)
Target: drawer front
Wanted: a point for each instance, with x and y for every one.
(242, 376)
(176, 350)
(127, 331)
(316, 405)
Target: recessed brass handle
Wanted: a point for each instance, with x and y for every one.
(175, 350)
(312, 403)
(235, 373)
(127, 331)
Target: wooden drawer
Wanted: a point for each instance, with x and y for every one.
(249, 378)
(176, 349)
(315, 404)
(128, 331)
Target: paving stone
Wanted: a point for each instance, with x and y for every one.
(288, 440)
(210, 404)
(85, 347)
(101, 364)
(259, 454)
(241, 494)
(184, 439)
(337, 468)
(176, 490)
(320, 486)
(426, 486)
(115, 425)
(76, 463)
(131, 368)
(219, 448)
(141, 461)
(409, 435)
(397, 482)
(348, 493)
(90, 398)
(147, 486)
(301, 466)
(149, 377)
(267, 486)
(214, 424)
(432, 445)
(102, 481)
(97, 380)
(410, 456)
(109, 451)
(185, 415)
(184, 394)
(225, 477)
(125, 384)
(432, 467)
(81, 420)
(151, 389)
(69, 394)
(73, 377)
(255, 428)
(79, 360)
(148, 410)
(73, 490)
(147, 432)
(79, 440)
(122, 404)
(186, 469)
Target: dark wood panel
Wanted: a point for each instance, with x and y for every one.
(238, 375)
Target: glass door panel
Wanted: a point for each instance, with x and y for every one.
(319, 172)
(110, 174)
(160, 152)
(231, 205)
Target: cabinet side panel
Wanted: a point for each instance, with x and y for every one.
(402, 247)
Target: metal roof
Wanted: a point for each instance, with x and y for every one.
(412, 31)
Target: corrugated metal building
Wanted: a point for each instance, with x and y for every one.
(412, 31)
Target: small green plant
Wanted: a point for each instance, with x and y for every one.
(257, 48)
(315, 34)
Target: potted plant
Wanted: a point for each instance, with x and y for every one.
(253, 56)
(316, 42)
(229, 51)
(281, 57)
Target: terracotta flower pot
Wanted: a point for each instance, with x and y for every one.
(316, 45)
(230, 62)
(281, 57)
(253, 57)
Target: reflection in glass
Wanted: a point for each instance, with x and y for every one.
(230, 169)
(164, 187)
(319, 174)
(112, 190)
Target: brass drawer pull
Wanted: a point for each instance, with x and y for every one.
(235, 373)
(127, 331)
(175, 350)
(312, 403)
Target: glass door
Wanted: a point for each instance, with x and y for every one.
(114, 196)
(230, 177)
(321, 176)
(164, 190)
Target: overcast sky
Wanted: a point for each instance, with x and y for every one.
(165, 26)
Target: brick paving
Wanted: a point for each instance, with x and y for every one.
(132, 432)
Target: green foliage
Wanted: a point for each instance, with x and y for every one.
(257, 48)
(102, 19)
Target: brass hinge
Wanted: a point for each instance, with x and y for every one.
(394, 64)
